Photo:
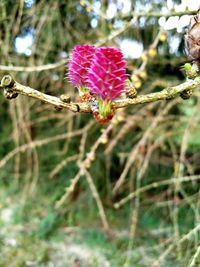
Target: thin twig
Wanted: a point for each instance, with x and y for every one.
(171, 247)
(50, 66)
(155, 185)
(98, 200)
(82, 165)
(194, 258)
(142, 141)
(38, 143)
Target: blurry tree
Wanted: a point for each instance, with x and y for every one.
(142, 169)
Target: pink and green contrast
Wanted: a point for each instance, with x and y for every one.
(101, 73)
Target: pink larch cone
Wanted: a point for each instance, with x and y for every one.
(80, 63)
(107, 74)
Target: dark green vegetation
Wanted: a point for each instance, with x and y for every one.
(144, 144)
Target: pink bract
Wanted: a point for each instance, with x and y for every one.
(107, 74)
(80, 63)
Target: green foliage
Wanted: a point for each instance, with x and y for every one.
(47, 225)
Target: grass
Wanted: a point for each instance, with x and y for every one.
(33, 232)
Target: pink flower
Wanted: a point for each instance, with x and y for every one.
(107, 74)
(80, 63)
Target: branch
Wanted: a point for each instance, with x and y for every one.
(159, 14)
(167, 15)
(13, 88)
(34, 68)
(154, 185)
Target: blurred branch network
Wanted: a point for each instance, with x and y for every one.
(145, 152)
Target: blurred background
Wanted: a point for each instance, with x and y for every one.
(64, 178)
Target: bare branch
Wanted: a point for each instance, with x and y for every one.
(159, 14)
(154, 185)
(13, 88)
(34, 68)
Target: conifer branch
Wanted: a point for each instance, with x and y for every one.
(12, 89)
